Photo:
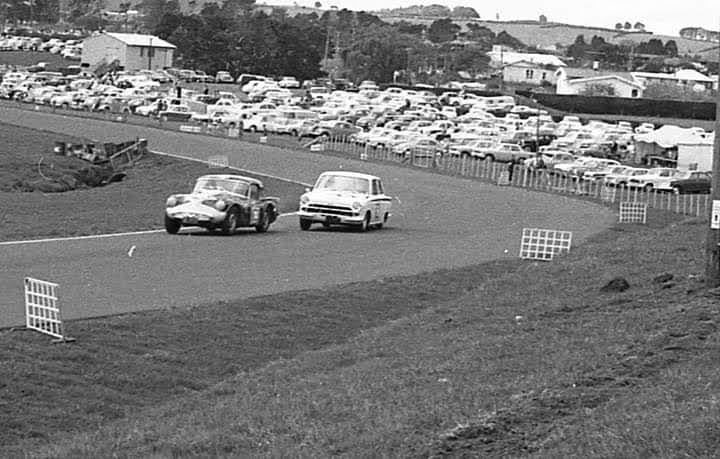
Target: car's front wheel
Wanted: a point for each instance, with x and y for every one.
(172, 226)
(305, 224)
(365, 225)
(229, 225)
(264, 223)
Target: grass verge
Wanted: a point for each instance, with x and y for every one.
(136, 203)
(503, 359)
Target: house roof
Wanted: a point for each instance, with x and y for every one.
(680, 75)
(605, 77)
(585, 72)
(511, 57)
(134, 39)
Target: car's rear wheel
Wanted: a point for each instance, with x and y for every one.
(676, 190)
(305, 224)
(384, 221)
(648, 187)
(490, 157)
(229, 225)
(172, 226)
(264, 223)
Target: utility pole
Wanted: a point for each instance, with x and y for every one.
(712, 250)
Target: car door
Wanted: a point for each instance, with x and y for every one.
(254, 207)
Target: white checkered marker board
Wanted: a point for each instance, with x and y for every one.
(503, 178)
(42, 312)
(633, 212)
(544, 244)
(217, 162)
(608, 193)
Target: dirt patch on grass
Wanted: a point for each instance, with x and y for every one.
(135, 203)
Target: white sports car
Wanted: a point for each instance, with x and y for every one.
(345, 198)
(225, 202)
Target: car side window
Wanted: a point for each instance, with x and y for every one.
(375, 187)
(254, 192)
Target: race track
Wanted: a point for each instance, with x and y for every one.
(439, 222)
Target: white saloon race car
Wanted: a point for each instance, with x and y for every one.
(224, 202)
(345, 198)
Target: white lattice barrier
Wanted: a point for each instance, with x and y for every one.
(633, 212)
(544, 244)
(217, 162)
(504, 178)
(42, 311)
(608, 194)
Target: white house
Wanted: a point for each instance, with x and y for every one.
(696, 153)
(567, 83)
(131, 51)
(500, 57)
(529, 73)
(684, 77)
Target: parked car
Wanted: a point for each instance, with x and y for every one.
(289, 82)
(621, 175)
(345, 198)
(507, 152)
(658, 178)
(423, 147)
(225, 202)
(179, 112)
(224, 77)
(691, 182)
(338, 129)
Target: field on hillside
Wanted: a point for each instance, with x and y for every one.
(86, 211)
(505, 359)
(547, 35)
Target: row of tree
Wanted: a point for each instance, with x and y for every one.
(356, 45)
(618, 55)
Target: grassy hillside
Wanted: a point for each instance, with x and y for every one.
(533, 33)
(504, 359)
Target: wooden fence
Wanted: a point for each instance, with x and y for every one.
(697, 205)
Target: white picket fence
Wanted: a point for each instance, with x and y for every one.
(524, 177)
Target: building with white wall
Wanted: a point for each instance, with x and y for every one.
(131, 51)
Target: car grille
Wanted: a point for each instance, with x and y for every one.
(329, 210)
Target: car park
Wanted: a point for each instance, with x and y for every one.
(222, 202)
(345, 198)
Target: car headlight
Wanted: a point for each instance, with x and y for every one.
(356, 205)
(304, 199)
(220, 204)
(171, 201)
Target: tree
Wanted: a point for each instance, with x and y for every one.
(627, 26)
(318, 5)
(671, 48)
(618, 26)
(504, 38)
(464, 12)
(578, 49)
(442, 30)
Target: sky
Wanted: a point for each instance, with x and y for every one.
(659, 16)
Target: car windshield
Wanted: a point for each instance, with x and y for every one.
(342, 183)
(218, 184)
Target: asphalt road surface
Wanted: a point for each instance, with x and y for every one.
(438, 222)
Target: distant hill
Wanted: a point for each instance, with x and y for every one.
(548, 34)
